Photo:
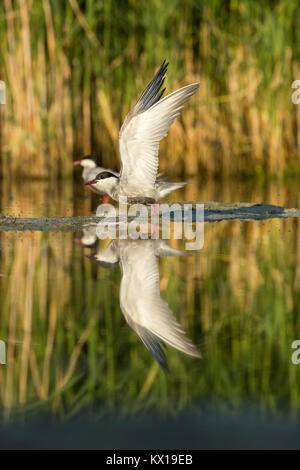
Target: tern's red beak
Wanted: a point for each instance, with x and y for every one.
(78, 240)
(88, 183)
(78, 162)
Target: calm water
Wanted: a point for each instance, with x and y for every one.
(69, 349)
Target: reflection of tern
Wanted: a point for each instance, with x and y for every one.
(109, 256)
(139, 138)
(89, 237)
(144, 309)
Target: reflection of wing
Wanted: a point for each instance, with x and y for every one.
(143, 129)
(163, 249)
(145, 311)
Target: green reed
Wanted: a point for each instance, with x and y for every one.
(73, 70)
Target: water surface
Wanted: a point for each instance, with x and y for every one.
(70, 349)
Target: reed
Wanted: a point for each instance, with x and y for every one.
(73, 70)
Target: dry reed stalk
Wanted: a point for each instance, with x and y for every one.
(34, 369)
(64, 379)
(50, 31)
(51, 330)
(28, 67)
(111, 125)
(27, 325)
(86, 124)
(83, 22)
(9, 394)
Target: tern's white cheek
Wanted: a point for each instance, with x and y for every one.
(106, 185)
(89, 240)
(99, 185)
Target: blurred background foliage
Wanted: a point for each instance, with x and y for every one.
(73, 69)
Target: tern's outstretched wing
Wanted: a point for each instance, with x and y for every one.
(145, 311)
(143, 129)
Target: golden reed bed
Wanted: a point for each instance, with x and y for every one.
(74, 69)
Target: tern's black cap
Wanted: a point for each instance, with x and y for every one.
(105, 174)
(90, 157)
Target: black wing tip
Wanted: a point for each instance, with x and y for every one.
(165, 63)
(155, 347)
(163, 69)
(161, 361)
(152, 93)
(164, 367)
(158, 96)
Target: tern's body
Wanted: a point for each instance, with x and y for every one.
(139, 138)
(143, 308)
(115, 188)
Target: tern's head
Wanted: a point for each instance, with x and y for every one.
(88, 161)
(107, 257)
(104, 181)
(87, 241)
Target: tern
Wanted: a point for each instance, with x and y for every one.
(91, 170)
(140, 301)
(143, 128)
(89, 237)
